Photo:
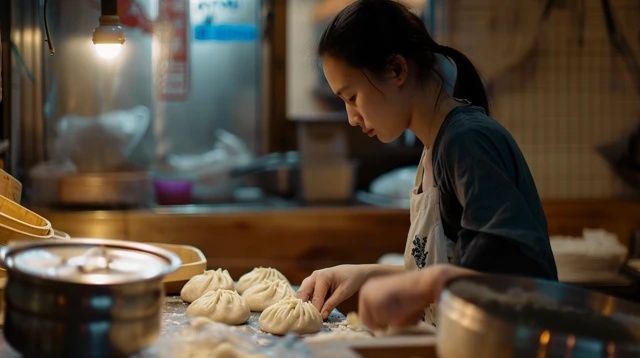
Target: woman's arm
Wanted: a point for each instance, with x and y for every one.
(329, 287)
(491, 200)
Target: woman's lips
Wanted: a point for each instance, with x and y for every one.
(371, 132)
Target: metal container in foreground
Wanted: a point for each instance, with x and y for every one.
(500, 316)
(84, 297)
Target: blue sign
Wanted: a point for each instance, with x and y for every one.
(226, 32)
(225, 20)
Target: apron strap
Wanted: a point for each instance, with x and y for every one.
(420, 173)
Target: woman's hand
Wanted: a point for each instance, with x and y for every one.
(399, 300)
(329, 287)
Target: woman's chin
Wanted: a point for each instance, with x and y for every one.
(385, 139)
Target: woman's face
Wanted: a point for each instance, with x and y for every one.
(376, 103)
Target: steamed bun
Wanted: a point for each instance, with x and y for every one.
(224, 306)
(207, 281)
(291, 315)
(257, 275)
(266, 293)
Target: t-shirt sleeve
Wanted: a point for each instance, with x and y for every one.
(498, 231)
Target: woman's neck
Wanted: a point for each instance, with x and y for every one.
(429, 112)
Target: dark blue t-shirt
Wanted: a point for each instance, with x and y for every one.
(489, 202)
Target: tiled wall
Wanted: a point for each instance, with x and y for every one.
(564, 98)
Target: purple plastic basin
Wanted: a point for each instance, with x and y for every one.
(172, 192)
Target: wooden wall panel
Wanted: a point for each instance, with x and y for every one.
(295, 241)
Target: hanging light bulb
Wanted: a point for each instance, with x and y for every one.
(108, 51)
(108, 37)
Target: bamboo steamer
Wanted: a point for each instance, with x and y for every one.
(193, 263)
(19, 223)
(8, 233)
(10, 187)
(22, 220)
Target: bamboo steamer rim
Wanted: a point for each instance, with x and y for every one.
(8, 233)
(10, 186)
(15, 212)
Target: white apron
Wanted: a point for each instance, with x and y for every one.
(426, 241)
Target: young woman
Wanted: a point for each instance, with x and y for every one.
(474, 203)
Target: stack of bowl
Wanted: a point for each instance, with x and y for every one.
(18, 222)
(10, 186)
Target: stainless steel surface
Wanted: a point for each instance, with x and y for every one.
(501, 316)
(89, 261)
(173, 320)
(224, 76)
(226, 90)
(106, 308)
(223, 80)
(173, 311)
(78, 82)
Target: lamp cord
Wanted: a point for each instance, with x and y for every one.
(47, 38)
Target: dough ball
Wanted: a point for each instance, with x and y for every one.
(207, 281)
(224, 306)
(266, 293)
(291, 315)
(257, 275)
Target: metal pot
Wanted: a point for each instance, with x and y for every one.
(276, 173)
(500, 316)
(84, 297)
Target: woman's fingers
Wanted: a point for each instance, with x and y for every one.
(305, 291)
(320, 292)
(337, 297)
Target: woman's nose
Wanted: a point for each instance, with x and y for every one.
(354, 117)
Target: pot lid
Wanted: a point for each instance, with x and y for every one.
(89, 261)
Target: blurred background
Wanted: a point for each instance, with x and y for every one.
(205, 87)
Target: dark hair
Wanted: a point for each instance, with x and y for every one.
(367, 33)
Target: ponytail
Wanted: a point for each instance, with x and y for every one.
(468, 83)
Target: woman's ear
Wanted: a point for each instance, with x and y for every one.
(397, 69)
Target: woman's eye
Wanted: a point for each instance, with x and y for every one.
(352, 99)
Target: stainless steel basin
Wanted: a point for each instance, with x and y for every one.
(501, 316)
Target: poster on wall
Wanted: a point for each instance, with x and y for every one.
(175, 82)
